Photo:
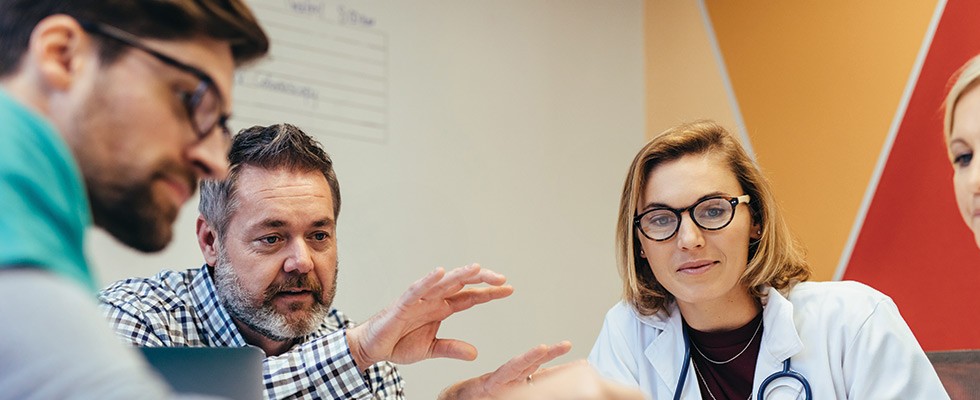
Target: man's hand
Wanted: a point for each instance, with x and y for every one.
(573, 381)
(512, 374)
(405, 332)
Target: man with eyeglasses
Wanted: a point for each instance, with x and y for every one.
(101, 127)
(111, 111)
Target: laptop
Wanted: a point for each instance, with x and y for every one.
(229, 372)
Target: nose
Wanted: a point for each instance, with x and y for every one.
(689, 235)
(973, 179)
(209, 156)
(300, 260)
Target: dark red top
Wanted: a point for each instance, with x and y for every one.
(732, 380)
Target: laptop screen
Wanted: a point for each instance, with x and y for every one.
(230, 372)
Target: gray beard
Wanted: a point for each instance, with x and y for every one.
(259, 314)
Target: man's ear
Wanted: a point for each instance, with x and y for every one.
(58, 50)
(207, 239)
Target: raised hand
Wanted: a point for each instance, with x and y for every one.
(405, 332)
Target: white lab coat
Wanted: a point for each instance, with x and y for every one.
(846, 338)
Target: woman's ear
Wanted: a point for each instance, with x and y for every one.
(756, 232)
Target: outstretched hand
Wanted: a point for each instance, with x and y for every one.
(405, 332)
(576, 380)
(514, 373)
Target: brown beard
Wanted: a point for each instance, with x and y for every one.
(132, 214)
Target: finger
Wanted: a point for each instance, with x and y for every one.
(420, 287)
(552, 352)
(518, 368)
(471, 297)
(457, 279)
(513, 370)
(453, 277)
(489, 277)
(452, 348)
(562, 368)
(577, 380)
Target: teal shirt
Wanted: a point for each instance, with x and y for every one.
(44, 210)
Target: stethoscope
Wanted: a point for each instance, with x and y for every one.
(787, 372)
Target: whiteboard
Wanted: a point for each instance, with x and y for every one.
(496, 132)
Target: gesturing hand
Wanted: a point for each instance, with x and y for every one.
(512, 374)
(572, 381)
(405, 332)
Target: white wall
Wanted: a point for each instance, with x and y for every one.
(506, 130)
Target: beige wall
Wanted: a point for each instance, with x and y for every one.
(684, 79)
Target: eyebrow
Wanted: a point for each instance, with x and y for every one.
(651, 206)
(323, 223)
(954, 140)
(278, 223)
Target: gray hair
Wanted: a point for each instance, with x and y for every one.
(268, 147)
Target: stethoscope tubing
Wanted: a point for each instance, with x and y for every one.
(787, 372)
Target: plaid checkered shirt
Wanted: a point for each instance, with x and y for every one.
(175, 309)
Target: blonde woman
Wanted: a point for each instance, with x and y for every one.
(715, 305)
(961, 129)
(962, 132)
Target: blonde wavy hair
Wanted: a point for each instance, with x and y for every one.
(775, 260)
(961, 81)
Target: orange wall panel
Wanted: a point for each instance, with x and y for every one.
(818, 84)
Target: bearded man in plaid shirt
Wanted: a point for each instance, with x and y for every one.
(268, 236)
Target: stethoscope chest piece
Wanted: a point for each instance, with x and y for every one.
(788, 379)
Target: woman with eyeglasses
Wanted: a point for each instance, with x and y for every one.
(715, 302)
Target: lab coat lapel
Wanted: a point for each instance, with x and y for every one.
(666, 353)
(780, 341)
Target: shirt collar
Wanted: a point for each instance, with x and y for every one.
(216, 322)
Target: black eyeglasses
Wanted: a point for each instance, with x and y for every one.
(203, 105)
(710, 214)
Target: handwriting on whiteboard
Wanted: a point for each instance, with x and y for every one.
(350, 16)
(327, 71)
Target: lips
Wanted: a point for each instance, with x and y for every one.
(295, 287)
(294, 293)
(182, 185)
(696, 266)
(180, 190)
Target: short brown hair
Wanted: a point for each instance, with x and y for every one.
(281, 146)
(226, 20)
(775, 260)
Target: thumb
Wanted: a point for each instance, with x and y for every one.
(452, 348)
